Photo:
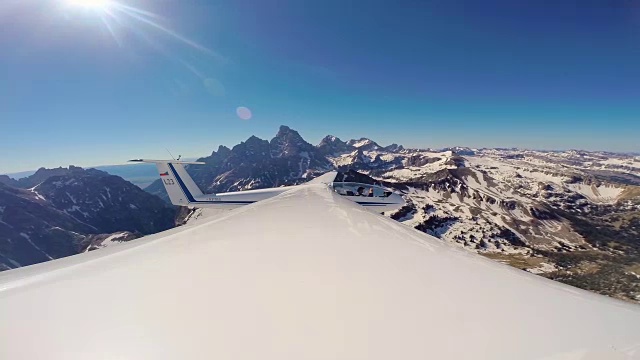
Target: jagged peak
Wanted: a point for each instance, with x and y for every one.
(284, 130)
(363, 142)
(331, 140)
(254, 139)
(61, 171)
(253, 143)
(222, 151)
(394, 147)
(44, 169)
(288, 135)
(288, 142)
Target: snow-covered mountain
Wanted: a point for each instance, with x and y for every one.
(572, 216)
(364, 144)
(72, 210)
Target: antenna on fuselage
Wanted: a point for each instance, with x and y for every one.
(171, 154)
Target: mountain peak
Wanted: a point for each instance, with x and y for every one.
(332, 145)
(288, 142)
(364, 144)
(394, 147)
(329, 139)
(223, 150)
(44, 174)
(254, 140)
(285, 131)
(6, 180)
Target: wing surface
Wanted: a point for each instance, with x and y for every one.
(303, 275)
(324, 178)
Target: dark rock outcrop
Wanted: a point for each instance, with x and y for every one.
(331, 145)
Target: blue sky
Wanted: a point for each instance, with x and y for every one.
(99, 85)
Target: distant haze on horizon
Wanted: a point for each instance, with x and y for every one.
(100, 85)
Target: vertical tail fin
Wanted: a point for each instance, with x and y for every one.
(180, 186)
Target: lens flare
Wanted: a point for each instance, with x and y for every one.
(244, 113)
(91, 4)
(122, 22)
(118, 17)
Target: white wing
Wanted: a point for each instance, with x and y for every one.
(303, 275)
(324, 178)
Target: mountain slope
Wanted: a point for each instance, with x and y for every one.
(32, 231)
(106, 202)
(66, 214)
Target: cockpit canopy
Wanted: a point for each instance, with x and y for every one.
(360, 189)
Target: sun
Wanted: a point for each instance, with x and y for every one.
(91, 4)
